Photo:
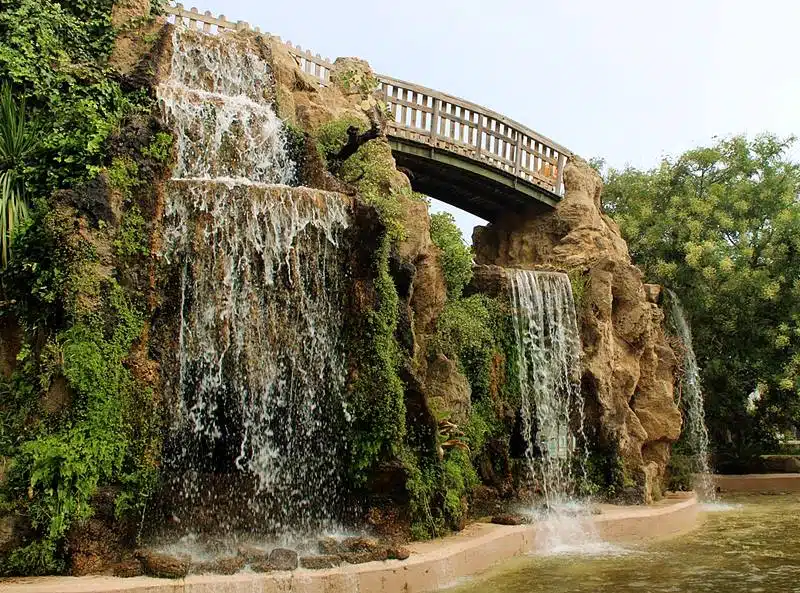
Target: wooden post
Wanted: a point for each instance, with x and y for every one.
(518, 154)
(480, 134)
(435, 121)
(562, 162)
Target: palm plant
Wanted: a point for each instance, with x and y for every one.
(18, 141)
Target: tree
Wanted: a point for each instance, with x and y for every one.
(456, 258)
(721, 226)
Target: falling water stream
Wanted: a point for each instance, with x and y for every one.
(548, 347)
(695, 432)
(257, 439)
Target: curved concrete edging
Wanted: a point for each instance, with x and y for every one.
(758, 482)
(432, 566)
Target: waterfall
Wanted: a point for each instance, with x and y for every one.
(258, 435)
(549, 370)
(692, 403)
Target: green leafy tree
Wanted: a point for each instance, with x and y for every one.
(721, 226)
(456, 258)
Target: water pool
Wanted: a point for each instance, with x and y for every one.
(746, 544)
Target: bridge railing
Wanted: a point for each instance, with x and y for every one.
(438, 120)
(312, 64)
(428, 117)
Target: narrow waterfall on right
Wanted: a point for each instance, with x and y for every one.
(548, 345)
(695, 432)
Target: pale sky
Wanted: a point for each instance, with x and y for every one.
(626, 80)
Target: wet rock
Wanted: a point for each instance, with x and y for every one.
(253, 554)
(14, 530)
(398, 552)
(320, 561)
(509, 519)
(164, 566)
(283, 559)
(329, 545)
(792, 465)
(360, 544)
(127, 569)
(261, 566)
(225, 565)
(448, 389)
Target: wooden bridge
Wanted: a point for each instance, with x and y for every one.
(455, 151)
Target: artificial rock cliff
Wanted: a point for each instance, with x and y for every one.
(406, 397)
(628, 367)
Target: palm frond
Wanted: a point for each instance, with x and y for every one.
(18, 138)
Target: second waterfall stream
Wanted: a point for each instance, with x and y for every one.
(552, 407)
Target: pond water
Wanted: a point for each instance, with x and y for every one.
(746, 544)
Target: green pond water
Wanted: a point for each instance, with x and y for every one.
(747, 544)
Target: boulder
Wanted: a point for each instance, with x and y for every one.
(283, 559)
(164, 566)
(127, 569)
(398, 552)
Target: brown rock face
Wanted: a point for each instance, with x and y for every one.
(448, 390)
(628, 366)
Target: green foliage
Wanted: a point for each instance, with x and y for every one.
(456, 257)
(131, 239)
(160, 149)
(579, 281)
(438, 491)
(18, 143)
(377, 392)
(332, 136)
(477, 331)
(680, 472)
(371, 169)
(721, 226)
(356, 81)
(55, 54)
(59, 469)
(123, 175)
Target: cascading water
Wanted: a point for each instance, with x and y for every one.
(548, 345)
(695, 432)
(261, 416)
(549, 369)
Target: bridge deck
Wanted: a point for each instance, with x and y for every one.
(454, 150)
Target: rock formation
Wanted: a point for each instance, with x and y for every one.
(628, 366)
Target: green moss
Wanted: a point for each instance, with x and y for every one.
(295, 141)
(331, 137)
(160, 148)
(356, 81)
(123, 175)
(131, 239)
(376, 393)
(579, 281)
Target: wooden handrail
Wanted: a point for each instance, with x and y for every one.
(426, 116)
